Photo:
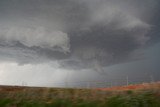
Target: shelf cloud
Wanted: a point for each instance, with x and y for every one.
(77, 34)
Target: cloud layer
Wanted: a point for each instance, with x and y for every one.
(77, 34)
(36, 37)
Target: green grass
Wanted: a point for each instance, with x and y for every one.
(145, 99)
(46, 97)
(5, 102)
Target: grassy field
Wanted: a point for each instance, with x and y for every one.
(148, 95)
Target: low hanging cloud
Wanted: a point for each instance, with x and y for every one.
(36, 37)
(78, 34)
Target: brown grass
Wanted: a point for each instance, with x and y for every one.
(154, 85)
(49, 94)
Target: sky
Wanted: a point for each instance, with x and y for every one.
(66, 43)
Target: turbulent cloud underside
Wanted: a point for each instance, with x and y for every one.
(76, 34)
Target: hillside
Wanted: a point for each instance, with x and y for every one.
(142, 95)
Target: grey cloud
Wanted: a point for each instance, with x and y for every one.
(106, 45)
(36, 37)
(19, 55)
(79, 34)
(17, 52)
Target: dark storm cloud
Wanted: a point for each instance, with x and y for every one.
(26, 55)
(79, 34)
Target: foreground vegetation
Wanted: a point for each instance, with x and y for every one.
(51, 97)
